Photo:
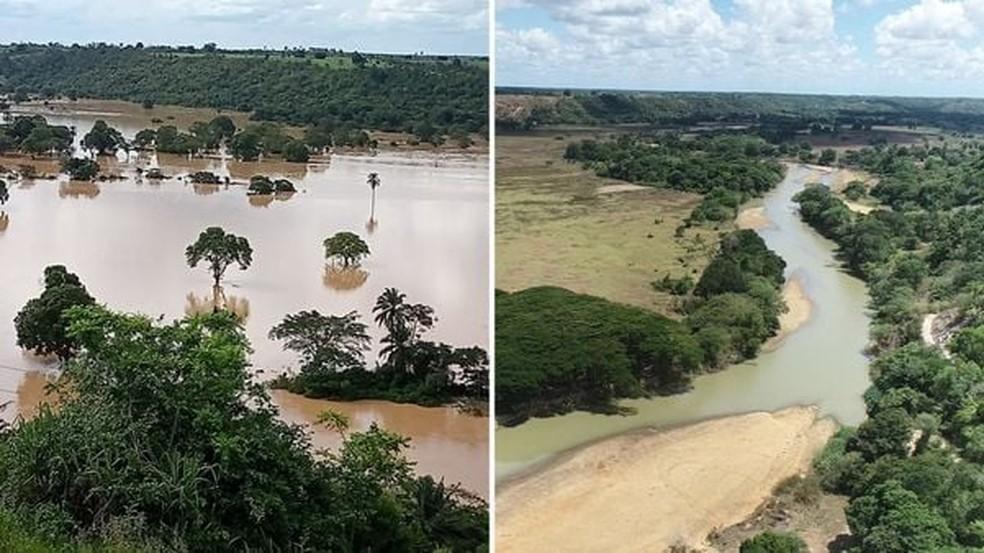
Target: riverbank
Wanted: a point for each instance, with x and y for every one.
(649, 490)
(798, 311)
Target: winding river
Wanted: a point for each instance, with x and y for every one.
(822, 363)
(126, 238)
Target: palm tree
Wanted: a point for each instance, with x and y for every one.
(373, 181)
(389, 308)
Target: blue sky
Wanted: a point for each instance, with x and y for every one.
(887, 47)
(432, 26)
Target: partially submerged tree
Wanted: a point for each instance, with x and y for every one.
(347, 247)
(404, 322)
(297, 152)
(103, 138)
(324, 342)
(4, 192)
(373, 181)
(219, 250)
(41, 324)
(80, 168)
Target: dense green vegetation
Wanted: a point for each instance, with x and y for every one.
(399, 95)
(41, 324)
(557, 351)
(778, 115)
(410, 369)
(913, 469)
(728, 169)
(34, 135)
(161, 435)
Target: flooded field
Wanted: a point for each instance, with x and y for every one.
(126, 240)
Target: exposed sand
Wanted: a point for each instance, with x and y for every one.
(753, 218)
(647, 491)
(858, 208)
(799, 308)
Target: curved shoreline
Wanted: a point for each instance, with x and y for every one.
(651, 489)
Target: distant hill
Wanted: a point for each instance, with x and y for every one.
(302, 87)
(519, 108)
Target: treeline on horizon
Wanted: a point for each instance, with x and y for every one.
(913, 468)
(768, 110)
(386, 94)
(557, 351)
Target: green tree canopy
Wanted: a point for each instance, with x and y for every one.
(41, 324)
(103, 138)
(219, 250)
(347, 247)
(324, 342)
(773, 542)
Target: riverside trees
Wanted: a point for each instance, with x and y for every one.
(182, 450)
(410, 369)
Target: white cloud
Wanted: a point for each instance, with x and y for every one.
(660, 43)
(933, 39)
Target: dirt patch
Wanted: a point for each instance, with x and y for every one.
(559, 224)
(753, 218)
(798, 507)
(649, 490)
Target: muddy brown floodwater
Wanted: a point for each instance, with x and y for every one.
(126, 240)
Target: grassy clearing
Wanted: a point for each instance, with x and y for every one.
(553, 226)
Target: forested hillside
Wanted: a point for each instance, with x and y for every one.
(389, 93)
(519, 108)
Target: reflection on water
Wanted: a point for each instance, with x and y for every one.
(128, 247)
(445, 442)
(371, 225)
(342, 278)
(4, 221)
(264, 200)
(78, 189)
(217, 301)
(33, 392)
(203, 189)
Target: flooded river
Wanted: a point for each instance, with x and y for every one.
(126, 240)
(822, 363)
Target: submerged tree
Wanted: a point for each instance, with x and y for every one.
(347, 247)
(80, 168)
(219, 250)
(373, 181)
(103, 138)
(4, 192)
(404, 322)
(41, 325)
(324, 342)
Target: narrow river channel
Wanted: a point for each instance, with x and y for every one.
(822, 363)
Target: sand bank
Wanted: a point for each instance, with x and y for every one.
(648, 490)
(799, 307)
(753, 218)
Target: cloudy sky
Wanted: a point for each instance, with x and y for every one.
(432, 26)
(893, 47)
